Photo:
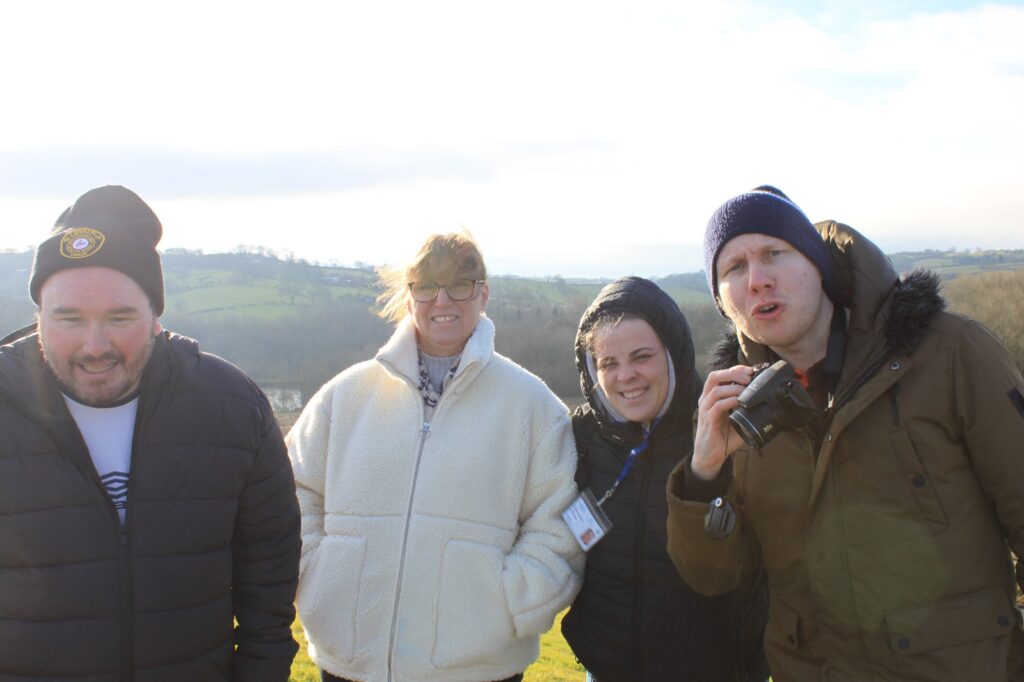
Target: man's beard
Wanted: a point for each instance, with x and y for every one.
(74, 381)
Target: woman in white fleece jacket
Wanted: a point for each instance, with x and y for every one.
(431, 481)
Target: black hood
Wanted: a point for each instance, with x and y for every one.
(643, 298)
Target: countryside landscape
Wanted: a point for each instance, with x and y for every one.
(292, 325)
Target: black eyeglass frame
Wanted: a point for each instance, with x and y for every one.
(437, 290)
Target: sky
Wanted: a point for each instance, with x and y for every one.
(581, 139)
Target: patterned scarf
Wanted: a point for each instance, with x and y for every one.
(430, 396)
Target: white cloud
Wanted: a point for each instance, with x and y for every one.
(584, 129)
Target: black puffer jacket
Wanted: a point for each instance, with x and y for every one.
(634, 619)
(212, 531)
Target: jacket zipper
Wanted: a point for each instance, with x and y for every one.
(638, 564)
(424, 434)
(124, 564)
(127, 599)
(841, 401)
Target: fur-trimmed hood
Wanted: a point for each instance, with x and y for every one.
(887, 314)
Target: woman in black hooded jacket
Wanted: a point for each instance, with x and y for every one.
(634, 618)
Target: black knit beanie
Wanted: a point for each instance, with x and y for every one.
(109, 227)
(764, 210)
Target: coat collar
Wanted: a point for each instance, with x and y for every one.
(399, 353)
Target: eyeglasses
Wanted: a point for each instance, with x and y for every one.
(457, 290)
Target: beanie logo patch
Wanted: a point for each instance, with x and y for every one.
(81, 242)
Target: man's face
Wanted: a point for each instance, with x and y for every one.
(773, 295)
(97, 329)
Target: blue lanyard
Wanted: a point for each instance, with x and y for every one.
(630, 460)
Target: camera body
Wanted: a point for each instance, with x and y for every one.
(774, 401)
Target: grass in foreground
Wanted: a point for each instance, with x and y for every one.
(555, 664)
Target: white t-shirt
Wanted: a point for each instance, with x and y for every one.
(108, 434)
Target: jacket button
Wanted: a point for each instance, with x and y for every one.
(829, 437)
(918, 481)
(1003, 621)
(903, 643)
(895, 365)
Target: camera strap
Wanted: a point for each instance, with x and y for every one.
(835, 350)
(630, 460)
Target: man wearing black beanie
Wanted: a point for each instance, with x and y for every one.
(149, 529)
(880, 487)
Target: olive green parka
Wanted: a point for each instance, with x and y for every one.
(886, 537)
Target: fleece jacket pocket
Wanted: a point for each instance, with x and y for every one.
(328, 596)
(472, 621)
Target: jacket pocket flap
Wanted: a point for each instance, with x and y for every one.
(972, 617)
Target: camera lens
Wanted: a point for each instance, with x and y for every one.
(747, 429)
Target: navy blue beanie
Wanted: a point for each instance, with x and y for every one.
(764, 210)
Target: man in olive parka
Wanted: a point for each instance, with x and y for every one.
(885, 525)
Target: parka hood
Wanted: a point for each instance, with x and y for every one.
(888, 314)
(643, 298)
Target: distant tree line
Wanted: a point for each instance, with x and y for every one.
(997, 300)
(323, 331)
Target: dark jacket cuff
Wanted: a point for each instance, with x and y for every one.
(690, 487)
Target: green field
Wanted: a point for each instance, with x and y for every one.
(555, 664)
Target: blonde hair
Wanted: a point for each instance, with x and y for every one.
(442, 257)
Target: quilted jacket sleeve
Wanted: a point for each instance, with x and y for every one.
(544, 570)
(266, 556)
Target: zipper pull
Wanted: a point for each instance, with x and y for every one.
(426, 429)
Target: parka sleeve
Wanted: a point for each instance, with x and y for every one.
(265, 563)
(707, 565)
(307, 449)
(544, 570)
(989, 402)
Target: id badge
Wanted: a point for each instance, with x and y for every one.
(586, 520)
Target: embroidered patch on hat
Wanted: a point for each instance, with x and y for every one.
(81, 242)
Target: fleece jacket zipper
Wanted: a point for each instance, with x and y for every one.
(424, 434)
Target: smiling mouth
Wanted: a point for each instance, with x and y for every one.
(635, 393)
(98, 367)
(444, 318)
(765, 309)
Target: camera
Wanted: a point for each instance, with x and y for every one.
(774, 401)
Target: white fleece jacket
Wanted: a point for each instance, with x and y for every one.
(433, 551)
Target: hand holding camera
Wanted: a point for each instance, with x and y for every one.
(755, 404)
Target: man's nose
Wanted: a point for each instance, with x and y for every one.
(96, 341)
(759, 277)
